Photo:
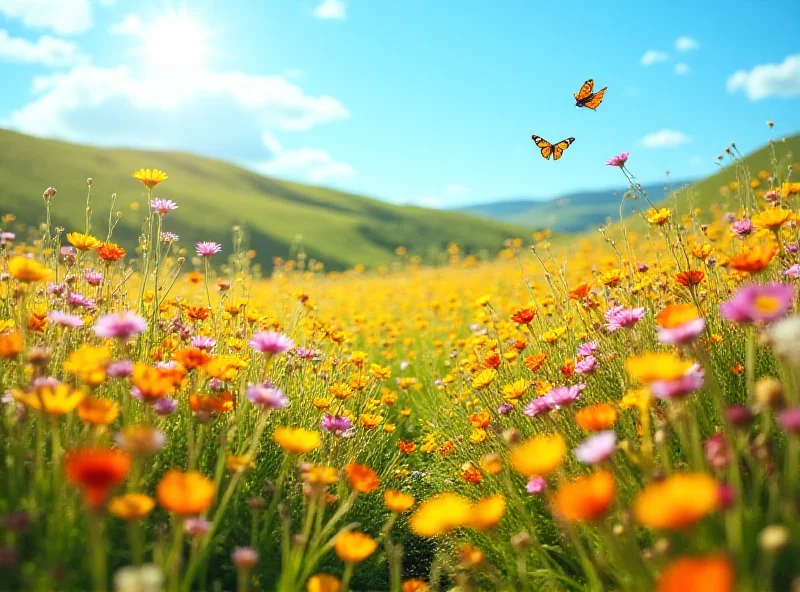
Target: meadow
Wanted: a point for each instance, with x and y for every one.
(617, 412)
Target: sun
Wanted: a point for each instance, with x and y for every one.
(177, 42)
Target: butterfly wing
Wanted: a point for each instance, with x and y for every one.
(558, 149)
(545, 146)
(595, 100)
(585, 90)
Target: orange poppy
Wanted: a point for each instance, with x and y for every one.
(690, 278)
(211, 403)
(580, 292)
(523, 316)
(755, 259)
(110, 252)
(362, 478)
(697, 574)
(597, 417)
(96, 471)
(586, 498)
(197, 312)
(185, 494)
(191, 357)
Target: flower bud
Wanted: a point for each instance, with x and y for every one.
(521, 541)
(774, 538)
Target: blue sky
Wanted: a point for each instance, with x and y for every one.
(430, 102)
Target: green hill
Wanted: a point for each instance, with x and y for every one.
(337, 228)
(707, 193)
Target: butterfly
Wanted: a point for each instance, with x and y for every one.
(555, 149)
(586, 98)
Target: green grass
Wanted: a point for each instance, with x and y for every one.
(337, 228)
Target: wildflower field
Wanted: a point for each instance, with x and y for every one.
(617, 412)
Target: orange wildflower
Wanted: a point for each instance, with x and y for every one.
(211, 403)
(597, 417)
(397, 501)
(534, 362)
(153, 383)
(354, 546)
(194, 277)
(568, 369)
(110, 252)
(406, 447)
(676, 315)
(586, 498)
(677, 502)
(698, 574)
(11, 344)
(197, 312)
(580, 292)
(191, 357)
(690, 278)
(480, 419)
(362, 478)
(185, 494)
(755, 259)
(96, 471)
(524, 316)
(96, 411)
(493, 361)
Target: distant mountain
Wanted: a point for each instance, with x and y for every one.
(339, 229)
(573, 212)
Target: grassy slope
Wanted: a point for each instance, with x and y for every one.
(337, 228)
(706, 194)
(574, 212)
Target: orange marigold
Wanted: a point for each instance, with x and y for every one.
(523, 316)
(362, 478)
(534, 362)
(755, 259)
(110, 252)
(677, 502)
(597, 417)
(185, 494)
(697, 574)
(690, 278)
(586, 498)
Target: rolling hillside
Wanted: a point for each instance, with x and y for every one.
(337, 228)
(574, 212)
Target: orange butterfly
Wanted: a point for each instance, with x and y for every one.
(555, 149)
(586, 98)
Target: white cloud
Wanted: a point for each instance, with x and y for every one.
(219, 114)
(652, 56)
(455, 190)
(129, 26)
(65, 17)
(768, 80)
(696, 160)
(47, 50)
(312, 164)
(682, 68)
(665, 138)
(331, 9)
(686, 43)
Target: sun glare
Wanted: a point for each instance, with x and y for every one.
(177, 43)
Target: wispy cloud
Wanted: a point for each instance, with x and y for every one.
(65, 17)
(665, 138)
(653, 56)
(682, 68)
(686, 44)
(129, 26)
(768, 80)
(312, 164)
(331, 9)
(47, 50)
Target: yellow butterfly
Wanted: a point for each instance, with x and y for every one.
(555, 149)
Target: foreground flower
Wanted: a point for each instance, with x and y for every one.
(539, 456)
(163, 206)
(131, 506)
(150, 177)
(677, 502)
(354, 546)
(753, 260)
(697, 574)
(27, 270)
(207, 249)
(266, 397)
(597, 448)
(758, 303)
(185, 494)
(96, 471)
(679, 324)
(397, 501)
(772, 219)
(619, 317)
(296, 440)
(619, 160)
(649, 368)
(362, 479)
(122, 325)
(440, 515)
(323, 583)
(52, 399)
(110, 252)
(271, 342)
(692, 380)
(586, 498)
(487, 513)
(83, 242)
(596, 418)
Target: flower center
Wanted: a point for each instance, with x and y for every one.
(766, 304)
